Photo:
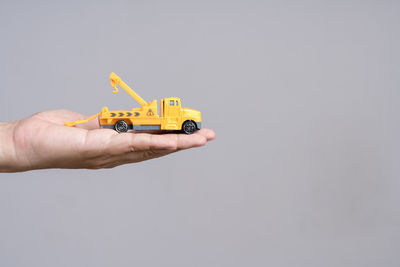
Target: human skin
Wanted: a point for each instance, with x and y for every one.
(42, 141)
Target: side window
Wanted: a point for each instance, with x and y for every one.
(177, 102)
(171, 102)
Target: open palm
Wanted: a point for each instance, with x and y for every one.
(42, 141)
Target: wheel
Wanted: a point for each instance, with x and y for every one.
(188, 127)
(121, 126)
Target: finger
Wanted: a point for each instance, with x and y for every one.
(166, 141)
(207, 133)
(128, 142)
(143, 155)
(127, 158)
(173, 141)
(185, 141)
(89, 125)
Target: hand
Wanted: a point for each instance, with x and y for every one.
(42, 141)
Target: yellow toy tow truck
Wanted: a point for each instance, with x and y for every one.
(173, 116)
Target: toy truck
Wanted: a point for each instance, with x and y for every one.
(146, 117)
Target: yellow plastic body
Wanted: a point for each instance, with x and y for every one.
(171, 116)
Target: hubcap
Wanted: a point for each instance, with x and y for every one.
(121, 126)
(189, 127)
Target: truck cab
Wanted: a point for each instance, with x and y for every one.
(177, 118)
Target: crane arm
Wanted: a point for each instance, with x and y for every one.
(115, 79)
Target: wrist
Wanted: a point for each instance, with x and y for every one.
(7, 146)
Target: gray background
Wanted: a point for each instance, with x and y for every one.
(303, 96)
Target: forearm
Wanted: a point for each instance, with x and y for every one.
(7, 148)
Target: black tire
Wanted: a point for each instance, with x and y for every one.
(121, 126)
(188, 127)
